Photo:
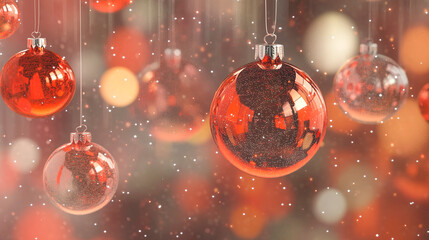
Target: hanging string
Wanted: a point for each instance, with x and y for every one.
(274, 26)
(369, 20)
(36, 33)
(81, 125)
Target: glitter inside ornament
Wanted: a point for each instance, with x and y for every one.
(37, 82)
(173, 97)
(268, 118)
(80, 177)
(424, 101)
(109, 6)
(9, 18)
(370, 87)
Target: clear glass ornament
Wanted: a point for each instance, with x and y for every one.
(268, 118)
(370, 87)
(80, 177)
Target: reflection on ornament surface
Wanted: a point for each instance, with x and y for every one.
(109, 6)
(424, 101)
(9, 18)
(80, 177)
(37, 82)
(268, 118)
(370, 87)
(174, 96)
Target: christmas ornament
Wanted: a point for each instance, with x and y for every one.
(268, 118)
(173, 97)
(424, 101)
(9, 18)
(37, 82)
(370, 87)
(80, 177)
(109, 6)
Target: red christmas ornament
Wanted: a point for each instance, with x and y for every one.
(268, 117)
(109, 6)
(9, 18)
(80, 177)
(424, 101)
(37, 82)
(173, 97)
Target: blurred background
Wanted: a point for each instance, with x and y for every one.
(365, 182)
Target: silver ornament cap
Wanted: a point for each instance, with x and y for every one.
(36, 43)
(369, 48)
(270, 50)
(83, 137)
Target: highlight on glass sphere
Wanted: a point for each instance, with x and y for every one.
(173, 97)
(80, 177)
(370, 87)
(37, 82)
(268, 118)
(9, 18)
(109, 6)
(424, 101)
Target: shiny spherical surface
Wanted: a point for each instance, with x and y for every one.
(268, 122)
(424, 101)
(37, 83)
(174, 97)
(109, 6)
(9, 18)
(80, 177)
(370, 88)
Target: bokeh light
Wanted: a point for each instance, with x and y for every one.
(24, 154)
(330, 40)
(330, 206)
(414, 50)
(119, 87)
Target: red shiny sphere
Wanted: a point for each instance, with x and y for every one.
(127, 47)
(109, 6)
(9, 18)
(424, 101)
(37, 83)
(268, 118)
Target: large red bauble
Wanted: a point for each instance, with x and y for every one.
(268, 118)
(424, 101)
(9, 18)
(37, 83)
(109, 6)
(127, 47)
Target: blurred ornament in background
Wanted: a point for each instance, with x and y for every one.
(174, 97)
(37, 82)
(109, 6)
(330, 41)
(127, 47)
(330, 206)
(370, 87)
(193, 194)
(338, 122)
(414, 50)
(411, 178)
(268, 118)
(24, 154)
(424, 101)
(247, 221)
(9, 18)
(119, 87)
(405, 135)
(80, 177)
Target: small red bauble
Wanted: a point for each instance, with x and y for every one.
(424, 101)
(268, 118)
(9, 18)
(37, 82)
(109, 6)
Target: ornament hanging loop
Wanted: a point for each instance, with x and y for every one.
(274, 26)
(81, 128)
(36, 33)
